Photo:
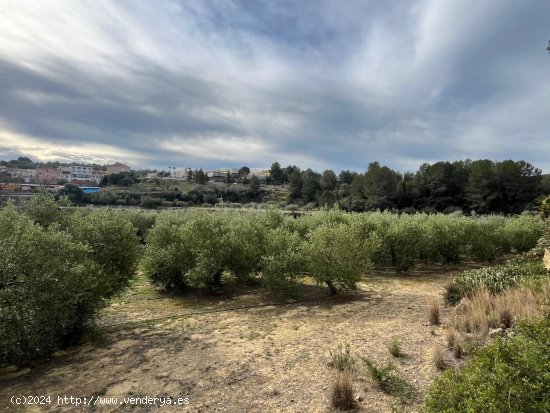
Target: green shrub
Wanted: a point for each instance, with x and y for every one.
(484, 238)
(395, 348)
(244, 244)
(337, 255)
(111, 242)
(43, 209)
(522, 233)
(495, 279)
(49, 288)
(401, 242)
(508, 375)
(335, 248)
(447, 237)
(150, 202)
(168, 256)
(195, 249)
(389, 381)
(283, 261)
(342, 358)
(142, 221)
(187, 250)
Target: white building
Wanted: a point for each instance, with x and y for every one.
(80, 173)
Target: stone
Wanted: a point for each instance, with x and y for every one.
(496, 332)
(546, 259)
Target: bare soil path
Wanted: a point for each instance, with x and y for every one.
(260, 358)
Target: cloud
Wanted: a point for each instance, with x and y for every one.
(87, 152)
(322, 85)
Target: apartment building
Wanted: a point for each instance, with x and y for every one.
(80, 174)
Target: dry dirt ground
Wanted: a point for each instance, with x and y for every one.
(244, 351)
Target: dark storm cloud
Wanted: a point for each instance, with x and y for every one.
(319, 84)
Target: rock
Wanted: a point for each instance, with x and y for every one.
(546, 259)
(496, 332)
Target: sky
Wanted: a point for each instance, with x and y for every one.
(320, 84)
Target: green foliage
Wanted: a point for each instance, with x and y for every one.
(495, 279)
(57, 268)
(72, 192)
(150, 202)
(545, 207)
(508, 375)
(389, 381)
(342, 358)
(283, 261)
(195, 248)
(111, 242)
(142, 221)
(521, 234)
(337, 254)
(121, 178)
(244, 244)
(48, 288)
(43, 209)
(168, 255)
(395, 348)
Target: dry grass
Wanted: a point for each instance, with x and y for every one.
(484, 310)
(434, 311)
(451, 338)
(438, 359)
(457, 349)
(342, 391)
(244, 346)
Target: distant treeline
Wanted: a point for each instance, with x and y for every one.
(482, 186)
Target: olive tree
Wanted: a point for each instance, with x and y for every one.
(47, 288)
(283, 262)
(337, 255)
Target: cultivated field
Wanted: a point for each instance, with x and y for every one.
(226, 311)
(244, 350)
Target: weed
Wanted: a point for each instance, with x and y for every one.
(451, 338)
(434, 311)
(395, 348)
(342, 391)
(342, 358)
(438, 359)
(457, 349)
(389, 381)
